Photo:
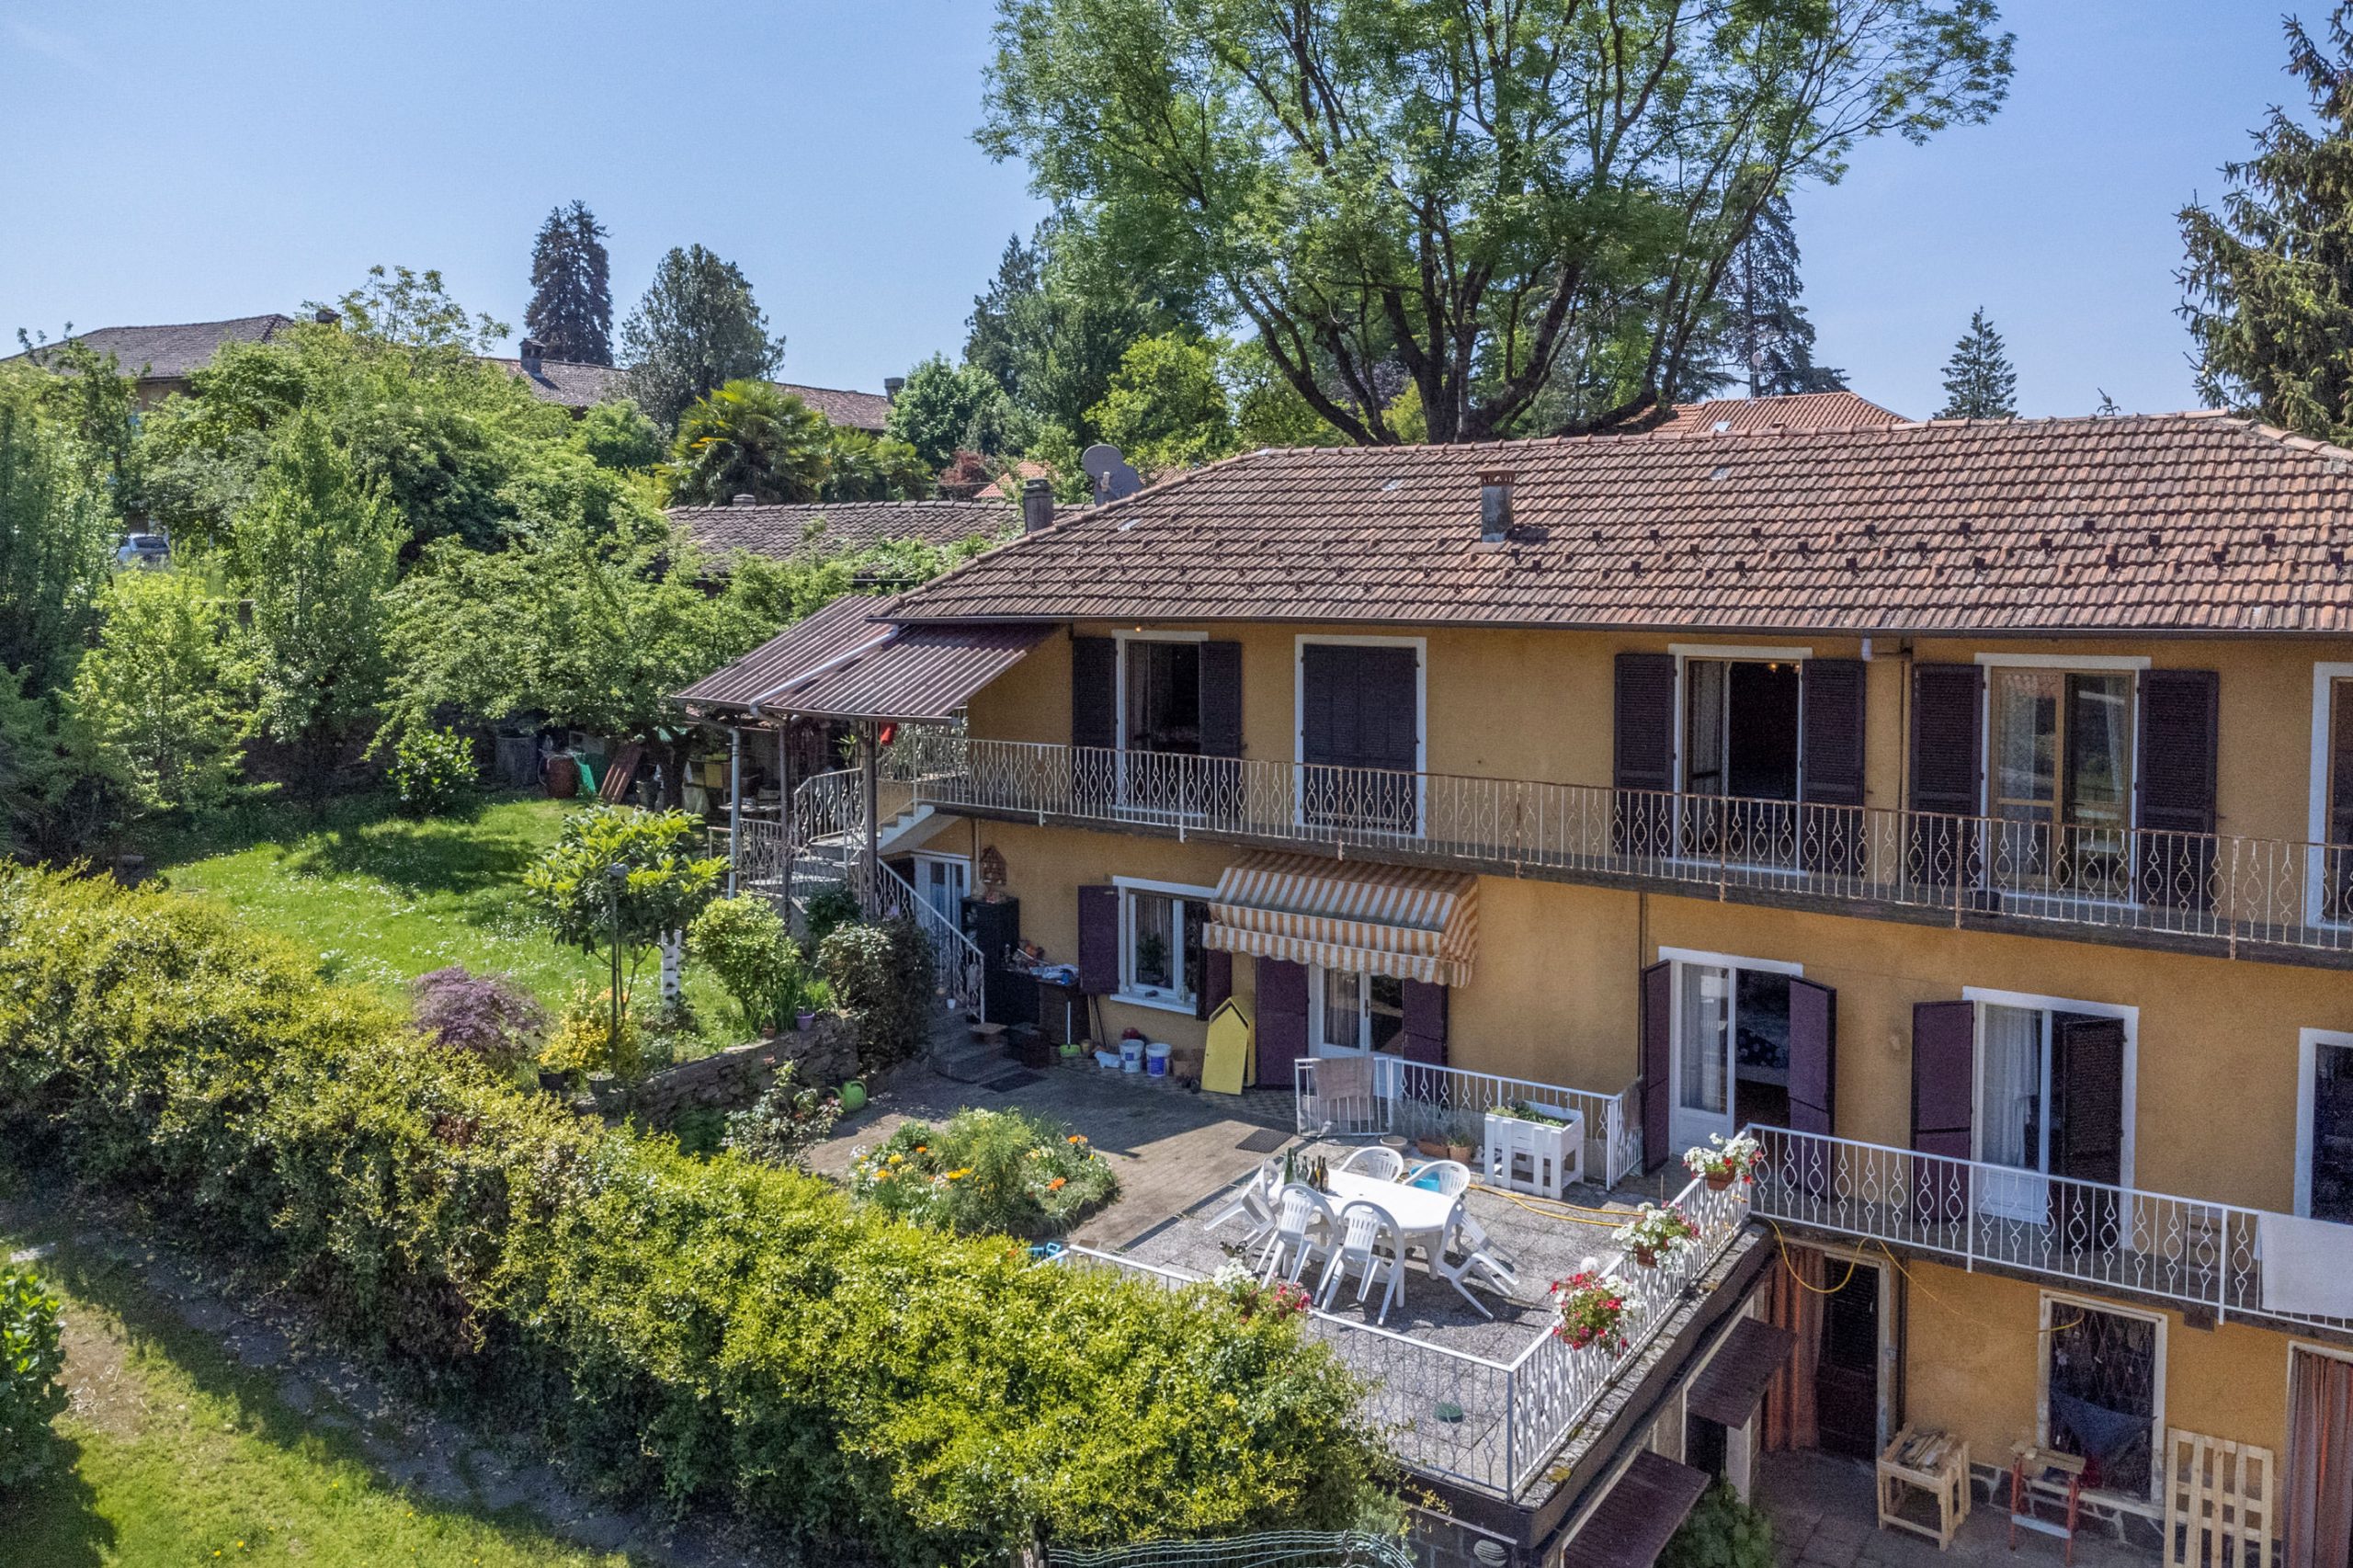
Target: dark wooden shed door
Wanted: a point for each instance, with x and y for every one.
(1657, 1011)
(1359, 720)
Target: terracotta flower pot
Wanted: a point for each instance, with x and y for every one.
(1461, 1153)
(1646, 1256)
(1431, 1147)
(1718, 1183)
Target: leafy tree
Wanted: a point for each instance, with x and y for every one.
(571, 313)
(866, 468)
(162, 696)
(1487, 207)
(615, 435)
(666, 886)
(998, 329)
(314, 554)
(2267, 285)
(697, 329)
(940, 403)
(1268, 410)
(1167, 407)
(55, 795)
(1768, 340)
(86, 395)
(1055, 321)
(414, 310)
(749, 438)
(745, 943)
(1979, 380)
(55, 538)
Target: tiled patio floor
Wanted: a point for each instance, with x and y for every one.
(1824, 1516)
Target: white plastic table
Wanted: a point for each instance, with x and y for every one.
(1420, 1211)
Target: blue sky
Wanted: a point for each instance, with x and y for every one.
(164, 162)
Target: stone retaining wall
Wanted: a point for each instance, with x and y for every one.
(733, 1078)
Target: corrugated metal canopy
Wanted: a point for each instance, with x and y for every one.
(1395, 920)
(844, 662)
(1728, 1389)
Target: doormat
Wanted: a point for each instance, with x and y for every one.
(1020, 1078)
(1266, 1141)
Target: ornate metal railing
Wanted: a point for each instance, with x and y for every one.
(1495, 1425)
(2220, 888)
(1418, 1100)
(2178, 1249)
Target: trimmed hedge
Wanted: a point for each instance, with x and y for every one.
(709, 1330)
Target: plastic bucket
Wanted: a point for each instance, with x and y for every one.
(1132, 1056)
(1155, 1059)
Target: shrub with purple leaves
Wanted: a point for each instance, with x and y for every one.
(482, 1014)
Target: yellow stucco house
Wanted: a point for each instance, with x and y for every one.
(1965, 807)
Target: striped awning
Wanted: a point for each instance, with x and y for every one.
(1395, 920)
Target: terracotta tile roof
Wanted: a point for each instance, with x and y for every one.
(781, 532)
(870, 412)
(1798, 411)
(574, 383)
(155, 353)
(1023, 471)
(841, 662)
(2169, 522)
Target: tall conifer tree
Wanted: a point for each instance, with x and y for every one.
(1979, 380)
(571, 313)
(1771, 345)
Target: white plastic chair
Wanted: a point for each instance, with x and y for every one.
(1255, 1203)
(1302, 1232)
(1365, 1228)
(1457, 1237)
(1378, 1162)
(1452, 1179)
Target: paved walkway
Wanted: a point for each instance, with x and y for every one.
(1824, 1516)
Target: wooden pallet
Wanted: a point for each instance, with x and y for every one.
(2218, 1502)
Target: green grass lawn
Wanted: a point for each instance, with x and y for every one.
(176, 1455)
(382, 899)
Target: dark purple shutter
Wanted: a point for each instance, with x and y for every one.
(1658, 1060)
(1094, 691)
(2088, 1130)
(1217, 981)
(1098, 940)
(1643, 755)
(2180, 718)
(1424, 1023)
(1282, 1021)
(1944, 1093)
(1221, 699)
(1830, 754)
(1813, 1057)
(1947, 756)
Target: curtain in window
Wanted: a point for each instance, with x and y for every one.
(2025, 738)
(1703, 726)
(2100, 725)
(1793, 1301)
(2320, 1460)
(1344, 1008)
(2011, 1054)
(1707, 1014)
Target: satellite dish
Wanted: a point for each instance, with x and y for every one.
(1112, 476)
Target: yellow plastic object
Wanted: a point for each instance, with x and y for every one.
(1227, 1061)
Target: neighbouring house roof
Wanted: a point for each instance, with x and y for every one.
(2186, 522)
(169, 353)
(781, 532)
(843, 661)
(870, 412)
(1023, 471)
(574, 383)
(1795, 411)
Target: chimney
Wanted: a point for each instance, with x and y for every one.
(1495, 506)
(743, 498)
(1037, 504)
(326, 317)
(892, 385)
(531, 355)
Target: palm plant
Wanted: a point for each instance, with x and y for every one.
(750, 438)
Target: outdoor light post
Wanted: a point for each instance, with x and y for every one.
(615, 877)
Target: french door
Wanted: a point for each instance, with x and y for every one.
(1351, 1013)
(942, 881)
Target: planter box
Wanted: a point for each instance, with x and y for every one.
(1539, 1157)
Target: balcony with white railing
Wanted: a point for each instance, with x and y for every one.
(1972, 1214)
(2214, 892)
(1423, 1102)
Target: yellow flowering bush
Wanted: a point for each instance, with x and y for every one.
(986, 1171)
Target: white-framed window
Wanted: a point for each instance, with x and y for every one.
(1159, 691)
(1739, 721)
(2062, 751)
(2324, 1125)
(1160, 942)
(1730, 1036)
(2102, 1393)
(2019, 1115)
(1355, 1013)
(2329, 890)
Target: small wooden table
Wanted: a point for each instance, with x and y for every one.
(1929, 1461)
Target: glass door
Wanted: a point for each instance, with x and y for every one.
(2013, 1101)
(1358, 1014)
(1703, 1014)
(943, 881)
